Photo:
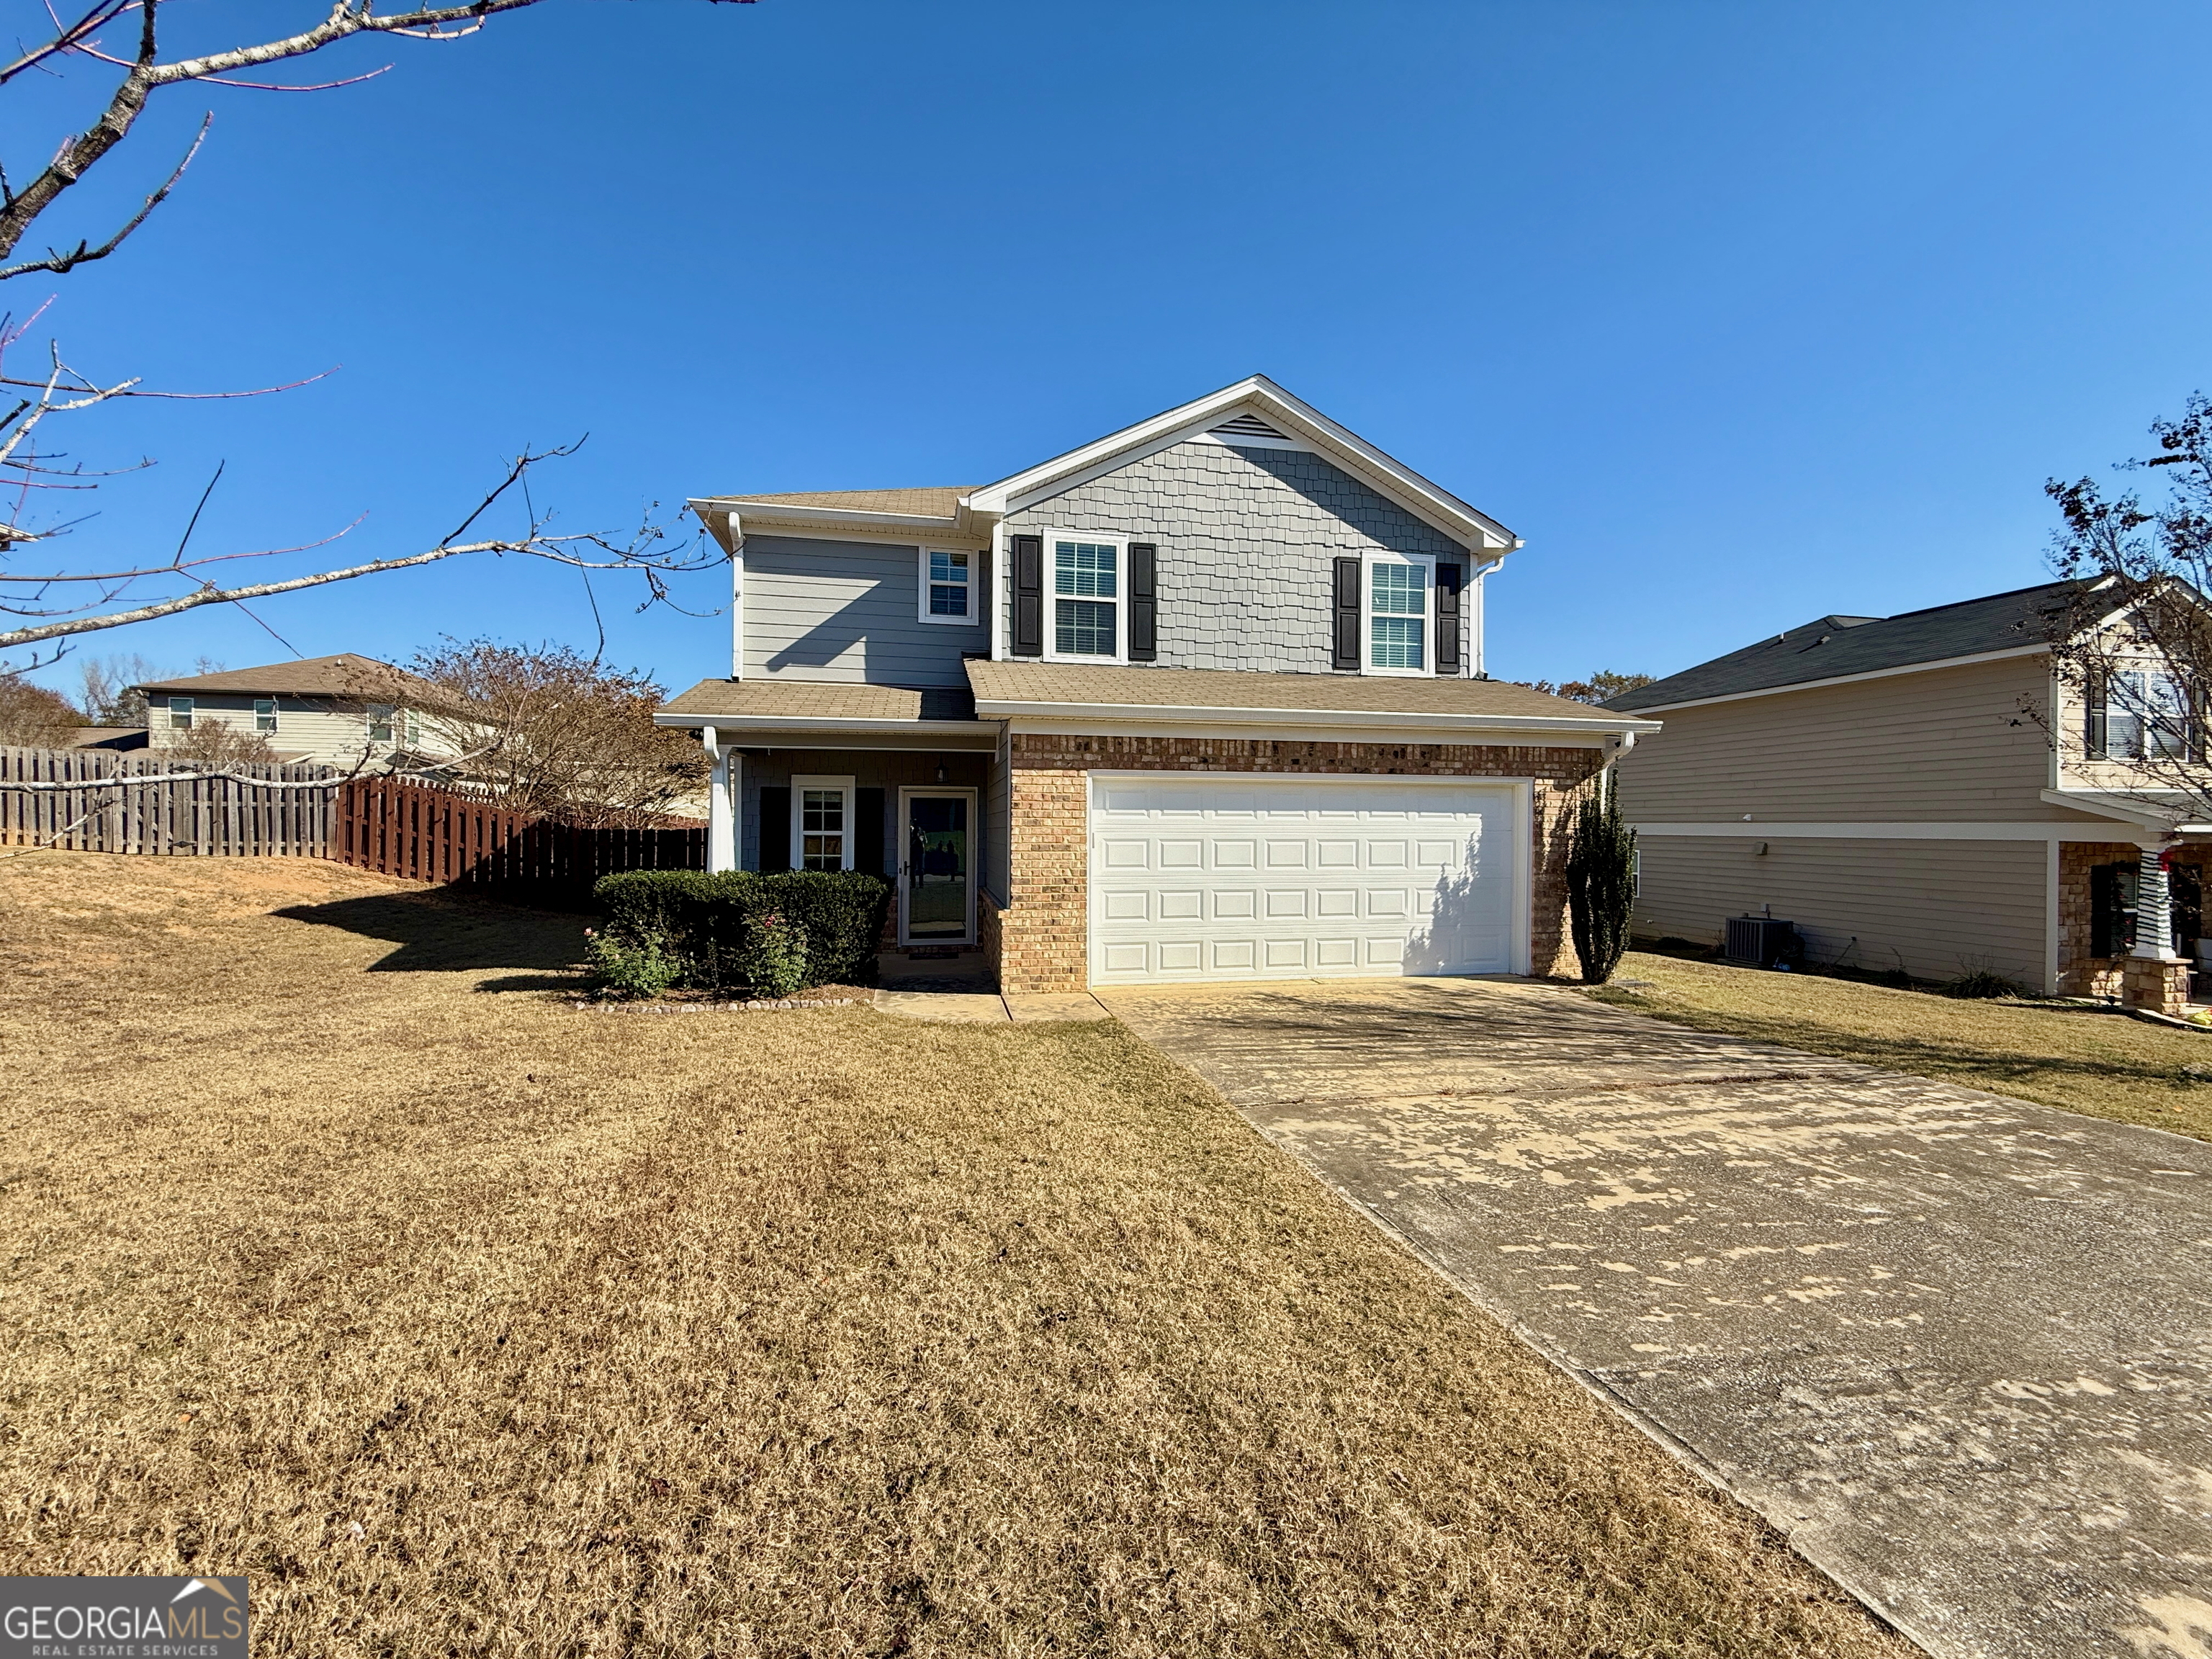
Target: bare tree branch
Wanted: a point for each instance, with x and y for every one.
(2133, 651)
(58, 263)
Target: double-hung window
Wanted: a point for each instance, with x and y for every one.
(181, 714)
(380, 722)
(948, 586)
(822, 823)
(2140, 714)
(265, 713)
(1400, 611)
(1086, 596)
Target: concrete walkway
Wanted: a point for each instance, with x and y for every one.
(1958, 1348)
(988, 1007)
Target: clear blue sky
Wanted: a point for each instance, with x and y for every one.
(1738, 314)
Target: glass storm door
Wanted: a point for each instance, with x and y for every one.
(937, 868)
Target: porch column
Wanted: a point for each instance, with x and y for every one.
(2154, 908)
(2153, 978)
(721, 804)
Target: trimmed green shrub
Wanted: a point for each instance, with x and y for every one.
(775, 959)
(702, 920)
(631, 971)
(1600, 884)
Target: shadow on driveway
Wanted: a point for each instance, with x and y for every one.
(440, 933)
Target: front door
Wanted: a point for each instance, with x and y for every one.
(937, 866)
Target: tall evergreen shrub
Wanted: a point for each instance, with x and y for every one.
(1600, 884)
(706, 922)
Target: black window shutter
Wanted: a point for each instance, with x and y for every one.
(868, 831)
(774, 830)
(1143, 601)
(2112, 909)
(1345, 636)
(1028, 595)
(1447, 580)
(2094, 724)
(2184, 886)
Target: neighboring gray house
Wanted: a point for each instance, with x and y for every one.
(1203, 699)
(1924, 792)
(330, 711)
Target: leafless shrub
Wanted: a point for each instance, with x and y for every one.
(210, 743)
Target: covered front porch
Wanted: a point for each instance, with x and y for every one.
(2130, 911)
(893, 782)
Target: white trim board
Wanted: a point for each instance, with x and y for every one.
(1851, 679)
(2027, 830)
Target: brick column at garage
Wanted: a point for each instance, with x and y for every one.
(1043, 934)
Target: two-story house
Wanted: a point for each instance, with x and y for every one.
(1202, 700)
(343, 710)
(1936, 792)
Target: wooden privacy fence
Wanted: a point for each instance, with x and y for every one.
(87, 800)
(421, 833)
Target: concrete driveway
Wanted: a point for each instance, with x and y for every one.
(1958, 1348)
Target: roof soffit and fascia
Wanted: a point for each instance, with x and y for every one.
(1489, 540)
(731, 521)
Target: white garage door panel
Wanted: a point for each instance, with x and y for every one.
(1301, 879)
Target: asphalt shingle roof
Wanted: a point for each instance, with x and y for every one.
(1829, 648)
(345, 675)
(820, 700)
(930, 501)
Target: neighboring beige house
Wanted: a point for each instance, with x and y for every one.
(328, 711)
(1924, 792)
(1200, 700)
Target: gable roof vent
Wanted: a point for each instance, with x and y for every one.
(1248, 426)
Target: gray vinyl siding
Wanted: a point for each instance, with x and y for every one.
(1246, 537)
(1935, 908)
(1951, 745)
(884, 769)
(849, 612)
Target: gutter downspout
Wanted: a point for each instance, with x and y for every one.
(721, 803)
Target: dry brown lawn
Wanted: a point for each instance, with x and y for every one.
(345, 1254)
(2103, 1064)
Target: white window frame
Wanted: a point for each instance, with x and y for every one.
(389, 722)
(975, 616)
(799, 785)
(1052, 596)
(259, 718)
(180, 706)
(1427, 564)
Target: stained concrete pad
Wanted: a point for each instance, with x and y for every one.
(1958, 1348)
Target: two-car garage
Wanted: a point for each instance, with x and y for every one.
(1240, 877)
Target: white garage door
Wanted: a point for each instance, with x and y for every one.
(1225, 878)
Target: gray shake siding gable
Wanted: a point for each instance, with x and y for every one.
(848, 613)
(1246, 539)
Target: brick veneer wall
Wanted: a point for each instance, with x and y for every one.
(1042, 933)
